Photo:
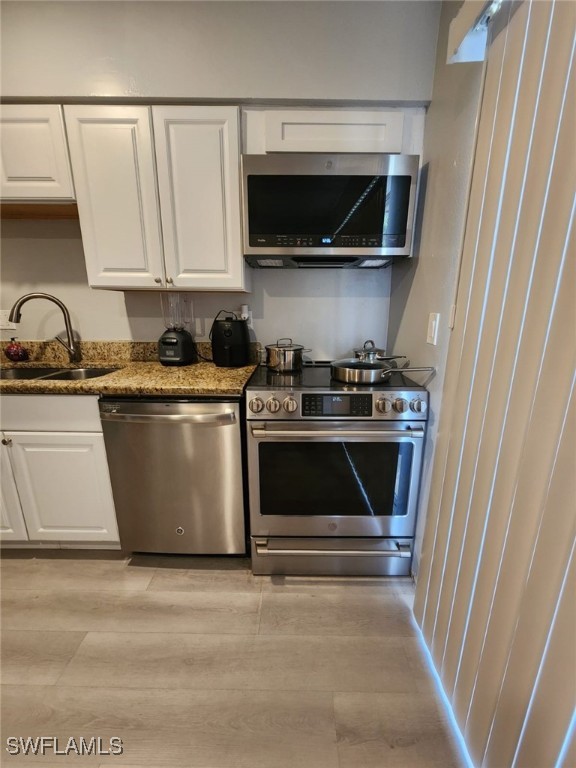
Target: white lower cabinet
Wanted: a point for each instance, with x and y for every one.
(55, 484)
(12, 525)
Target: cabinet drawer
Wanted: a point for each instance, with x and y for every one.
(61, 413)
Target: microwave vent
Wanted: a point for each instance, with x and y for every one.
(270, 262)
(374, 263)
(316, 262)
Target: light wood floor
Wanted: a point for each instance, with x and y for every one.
(196, 662)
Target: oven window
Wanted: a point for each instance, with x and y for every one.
(346, 478)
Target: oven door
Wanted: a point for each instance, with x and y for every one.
(335, 479)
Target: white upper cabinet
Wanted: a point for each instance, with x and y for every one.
(115, 176)
(163, 219)
(198, 160)
(35, 163)
(333, 130)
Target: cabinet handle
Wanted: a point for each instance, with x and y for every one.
(157, 279)
(169, 280)
(6, 441)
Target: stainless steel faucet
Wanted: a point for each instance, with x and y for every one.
(71, 347)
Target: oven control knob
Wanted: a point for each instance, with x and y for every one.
(383, 405)
(290, 405)
(256, 405)
(419, 406)
(273, 405)
(400, 405)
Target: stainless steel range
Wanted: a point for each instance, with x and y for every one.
(333, 471)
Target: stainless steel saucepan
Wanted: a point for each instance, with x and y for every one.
(284, 356)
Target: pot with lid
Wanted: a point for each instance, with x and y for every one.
(369, 352)
(369, 365)
(284, 356)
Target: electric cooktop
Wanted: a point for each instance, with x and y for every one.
(317, 374)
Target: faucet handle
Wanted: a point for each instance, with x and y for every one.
(73, 352)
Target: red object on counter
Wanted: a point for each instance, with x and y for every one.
(15, 351)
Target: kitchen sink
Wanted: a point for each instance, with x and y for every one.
(26, 373)
(80, 373)
(67, 374)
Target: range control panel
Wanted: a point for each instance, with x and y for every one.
(405, 405)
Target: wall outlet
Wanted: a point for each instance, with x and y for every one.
(245, 313)
(5, 324)
(433, 323)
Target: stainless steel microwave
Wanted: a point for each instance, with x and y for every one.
(328, 210)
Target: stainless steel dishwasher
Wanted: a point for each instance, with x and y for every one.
(176, 471)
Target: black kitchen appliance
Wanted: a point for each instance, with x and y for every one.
(230, 341)
(176, 345)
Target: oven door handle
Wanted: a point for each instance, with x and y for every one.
(263, 432)
(402, 550)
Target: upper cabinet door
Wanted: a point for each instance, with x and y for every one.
(113, 162)
(336, 130)
(198, 159)
(35, 163)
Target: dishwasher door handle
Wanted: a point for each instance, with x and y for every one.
(219, 419)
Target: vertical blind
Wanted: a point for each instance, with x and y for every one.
(496, 593)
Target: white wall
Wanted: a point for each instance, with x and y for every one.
(331, 311)
(427, 283)
(214, 50)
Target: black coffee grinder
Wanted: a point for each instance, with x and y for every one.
(176, 345)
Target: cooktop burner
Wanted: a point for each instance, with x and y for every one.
(316, 374)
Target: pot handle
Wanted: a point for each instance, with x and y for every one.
(391, 357)
(283, 339)
(406, 370)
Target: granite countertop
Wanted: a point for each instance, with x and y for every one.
(133, 377)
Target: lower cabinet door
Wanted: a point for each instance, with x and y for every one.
(12, 526)
(64, 486)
